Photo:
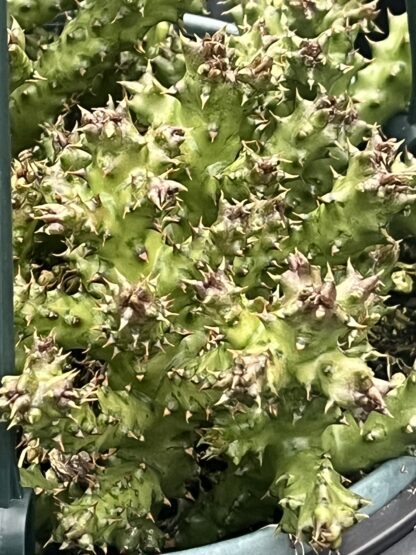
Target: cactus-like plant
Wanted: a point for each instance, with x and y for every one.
(33, 13)
(87, 47)
(20, 63)
(199, 272)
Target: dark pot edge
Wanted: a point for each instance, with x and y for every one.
(392, 515)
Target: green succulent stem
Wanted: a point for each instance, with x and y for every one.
(34, 13)
(87, 47)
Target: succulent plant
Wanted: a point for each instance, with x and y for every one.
(383, 88)
(87, 47)
(20, 64)
(33, 13)
(200, 270)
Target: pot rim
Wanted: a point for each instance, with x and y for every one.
(392, 501)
